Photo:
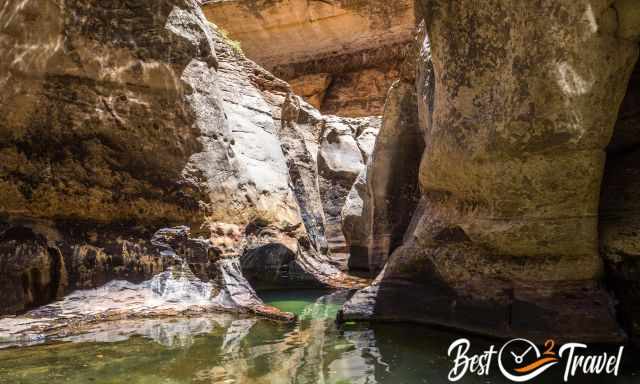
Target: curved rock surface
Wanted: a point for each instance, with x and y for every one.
(382, 200)
(505, 240)
(325, 154)
(346, 143)
(219, 286)
(356, 224)
(498, 194)
(126, 117)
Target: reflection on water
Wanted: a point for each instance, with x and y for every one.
(228, 349)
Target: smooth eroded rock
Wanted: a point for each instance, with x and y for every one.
(505, 239)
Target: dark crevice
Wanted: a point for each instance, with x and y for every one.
(620, 181)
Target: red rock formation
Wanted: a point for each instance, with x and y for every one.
(342, 55)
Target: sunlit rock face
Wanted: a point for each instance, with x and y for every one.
(124, 117)
(342, 55)
(345, 146)
(505, 240)
(216, 348)
(97, 128)
(325, 154)
(218, 285)
(96, 118)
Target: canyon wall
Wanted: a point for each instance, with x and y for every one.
(499, 197)
(505, 238)
(383, 198)
(341, 55)
(619, 224)
(122, 118)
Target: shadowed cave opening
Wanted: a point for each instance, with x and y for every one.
(619, 225)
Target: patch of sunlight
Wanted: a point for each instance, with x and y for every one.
(571, 82)
(591, 19)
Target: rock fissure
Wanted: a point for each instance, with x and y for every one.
(480, 159)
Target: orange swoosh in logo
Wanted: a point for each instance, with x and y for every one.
(536, 364)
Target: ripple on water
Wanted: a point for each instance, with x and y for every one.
(229, 349)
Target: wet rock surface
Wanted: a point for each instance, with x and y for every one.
(206, 348)
(177, 291)
(483, 195)
(110, 314)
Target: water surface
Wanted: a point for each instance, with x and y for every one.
(229, 349)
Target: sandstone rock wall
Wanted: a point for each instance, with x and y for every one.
(120, 119)
(382, 201)
(97, 126)
(342, 55)
(393, 173)
(505, 241)
(80, 96)
(486, 192)
(345, 146)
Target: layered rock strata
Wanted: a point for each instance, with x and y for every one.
(344, 148)
(325, 155)
(341, 55)
(383, 198)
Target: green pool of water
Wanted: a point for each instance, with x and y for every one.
(228, 349)
(307, 304)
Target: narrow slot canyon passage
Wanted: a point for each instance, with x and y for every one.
(319, 191)
(334, 55)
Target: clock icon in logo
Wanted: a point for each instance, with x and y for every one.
(520, 360)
